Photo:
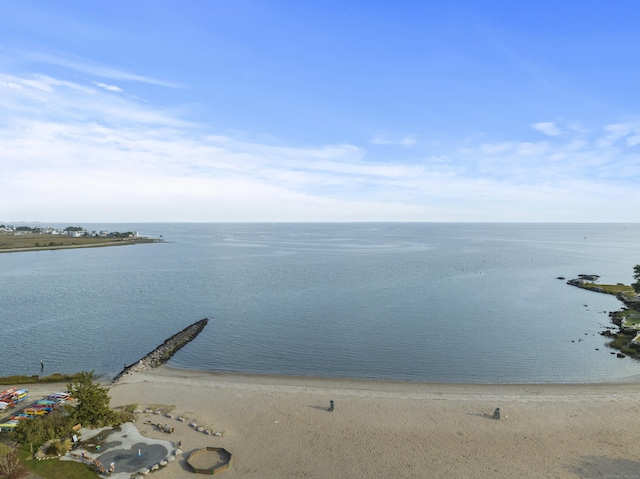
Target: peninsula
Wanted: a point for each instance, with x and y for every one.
(26, 238)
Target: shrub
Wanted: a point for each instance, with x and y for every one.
(10, 466)
(58, 447)
(130, 407)
(120, 417)
(163, 408)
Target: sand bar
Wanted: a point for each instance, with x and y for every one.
(280, 426)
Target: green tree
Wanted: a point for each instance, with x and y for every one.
(36, 432)
(93, 401)
(32, 432)
(636, 276)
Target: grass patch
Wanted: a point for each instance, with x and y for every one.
(163, 408)
(631, 318)
(52, 378)
(129, 407)
(621, 343)
(609, 288)
(121, 416)
(56, 469)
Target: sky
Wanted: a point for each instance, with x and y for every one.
(319, 111)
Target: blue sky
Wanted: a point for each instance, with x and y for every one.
(144, 111)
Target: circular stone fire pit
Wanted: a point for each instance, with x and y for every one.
(210, 460)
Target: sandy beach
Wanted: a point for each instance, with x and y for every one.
(280, 426)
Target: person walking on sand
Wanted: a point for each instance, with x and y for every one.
(331, 406)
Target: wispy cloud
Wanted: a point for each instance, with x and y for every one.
(103, 71)
(42, 97)
(129, 161)
(604, 154)
(626, 132)
(547, 127)
(407, 140)
(107, 87)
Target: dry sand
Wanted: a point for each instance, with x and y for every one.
(280, 427)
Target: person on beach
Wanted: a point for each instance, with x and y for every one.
(331, 406)
(496, 413)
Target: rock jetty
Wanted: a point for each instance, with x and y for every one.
(165, 351)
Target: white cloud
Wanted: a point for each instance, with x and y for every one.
(577, 144)
(492, 149)
(618, 131)
(405, 141)
(128, 161)
(107, 87)
(633, 140)
(547, 127)
(532, 149)
(44, 97)
(93, 68)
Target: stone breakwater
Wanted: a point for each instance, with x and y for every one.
(165, 351)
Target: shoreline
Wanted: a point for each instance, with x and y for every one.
(165, 373)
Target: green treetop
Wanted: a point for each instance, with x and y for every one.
(93, 401)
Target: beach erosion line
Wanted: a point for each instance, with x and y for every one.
(165, 351)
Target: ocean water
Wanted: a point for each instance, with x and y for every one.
(469, 303)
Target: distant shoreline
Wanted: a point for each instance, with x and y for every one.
(121, 242)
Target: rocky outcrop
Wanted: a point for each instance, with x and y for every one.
(165, 351)
(631, 301)
(627, 335)
(582, 279)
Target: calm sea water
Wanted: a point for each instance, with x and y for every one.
(476, 303)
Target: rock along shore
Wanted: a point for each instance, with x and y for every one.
(165, 351)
